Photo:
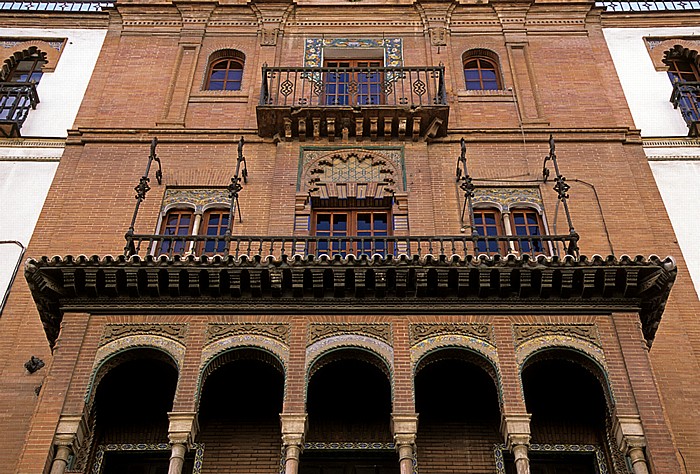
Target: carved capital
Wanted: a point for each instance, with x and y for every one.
(183, 428)
(404, 424)
(629, 432)
(294, 427)
(70, 432)
(516, 429)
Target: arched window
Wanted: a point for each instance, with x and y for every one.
(487, 223)
(481, 70)
(527, 223)
(225, 72)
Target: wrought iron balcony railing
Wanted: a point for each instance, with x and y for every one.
(16, 99)
(281, 246)
(365, 101)
(686, 97)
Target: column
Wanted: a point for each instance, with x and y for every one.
(629, 435)
(405, 428)
(70, 433)
(516, 431)
(181, 432)
(505, 215)
(293, 431)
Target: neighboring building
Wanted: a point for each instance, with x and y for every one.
(655, 52)
(45, 72)
(345, 253)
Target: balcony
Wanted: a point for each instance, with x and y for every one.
(16, 99)
(365, 103)
(686, 97)
(357, 247)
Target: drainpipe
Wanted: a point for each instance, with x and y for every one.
(14, 273)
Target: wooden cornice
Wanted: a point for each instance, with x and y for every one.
(349, 285)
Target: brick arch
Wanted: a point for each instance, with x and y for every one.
(686, 48)
(129, 348)
(26, 49)
(350, 346)
(580, 352)
(245, 346)
(460, 347)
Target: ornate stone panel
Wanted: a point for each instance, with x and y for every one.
(507, 197)
(197, 198)
(530, 346)
(525, 332)
(393, 49)
(421, 331)
(318, 331)
(366, 165)
(112, 332)
(372, 344)
(277, 331)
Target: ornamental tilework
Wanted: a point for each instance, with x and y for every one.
(507, 197)
(529, 347)
(210, 351)
(313, 51)
(102, 449)
(380, 348)
(197, 198)
(480, 346)
(499, 449)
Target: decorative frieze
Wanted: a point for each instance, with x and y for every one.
(177, 332)
(587, 332)
(507, 197)
(421, 331)
(393, 49)
(197, 198)
(276, 331)
(318, 331)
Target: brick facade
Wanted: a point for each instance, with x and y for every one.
(148, 82)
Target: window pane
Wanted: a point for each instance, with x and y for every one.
(323, 222)
(216, 86)
(218, 75)
(471, 74)
(340, 223)
(364, 222)
(233, 86)
(488, 75)
(380, 222)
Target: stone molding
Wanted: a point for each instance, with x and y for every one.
(420, 331)
(112, 332)
(182, 428)
(318, 331)
(276, 331)
(525, 332)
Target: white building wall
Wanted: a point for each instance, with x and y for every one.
(676, 169)
(27, 166)
(61, 91)
(647, 90)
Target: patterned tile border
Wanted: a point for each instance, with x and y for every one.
(499, 449)
(103, 448)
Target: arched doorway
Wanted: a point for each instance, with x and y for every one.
(564, 395)
(349, 412)
(239, 413)
(130, 411)
(458, 413)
